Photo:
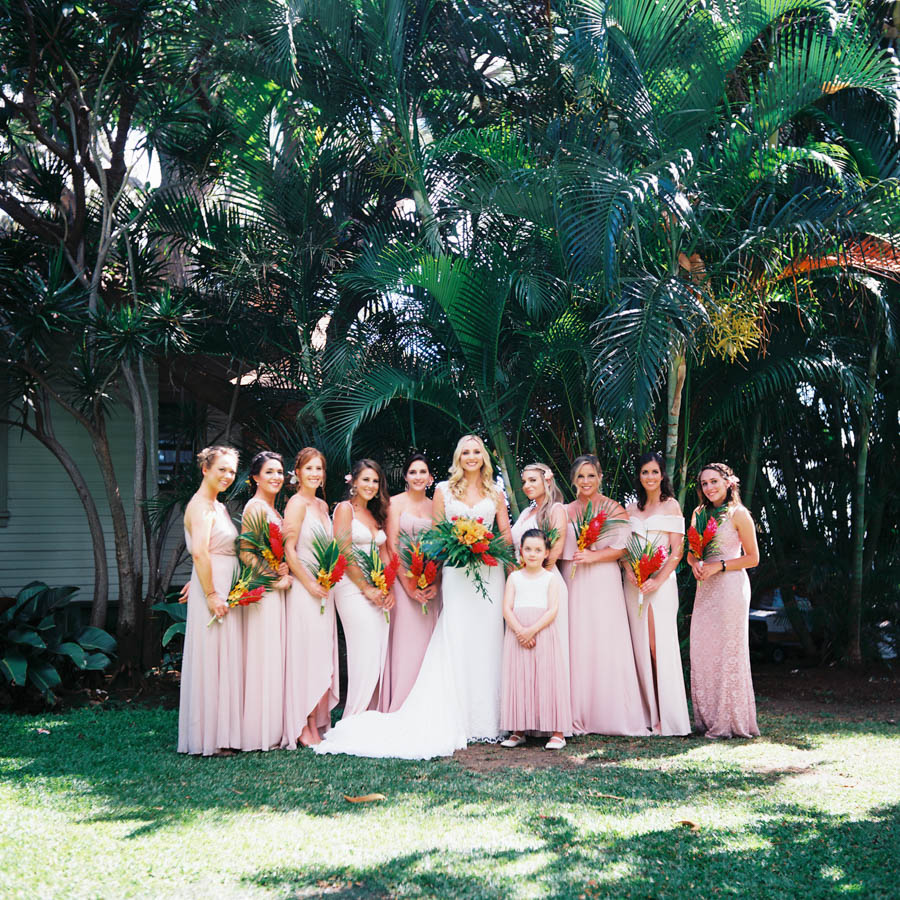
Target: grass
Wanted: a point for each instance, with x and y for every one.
(102, 806)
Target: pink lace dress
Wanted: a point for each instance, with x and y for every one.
(721, 685)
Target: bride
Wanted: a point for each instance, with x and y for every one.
(456, 697)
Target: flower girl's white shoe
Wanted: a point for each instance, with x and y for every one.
(514, 740)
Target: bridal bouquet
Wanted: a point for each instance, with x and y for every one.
(330, 562)
(376, 572)
(264, 540)
(248, 586)
(701, 537)
(590, 526)
(464, 543)
(646, 558)
(421, 567)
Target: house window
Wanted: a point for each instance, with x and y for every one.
(178, 427)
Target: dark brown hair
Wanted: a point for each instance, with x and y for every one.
(379, 504)
(665, 486)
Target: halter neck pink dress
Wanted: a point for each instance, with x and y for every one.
(410, 632)
(212, 672)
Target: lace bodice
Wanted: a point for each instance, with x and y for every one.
(728, 540)
(453, 506)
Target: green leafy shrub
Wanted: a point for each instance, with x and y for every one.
(42, 633)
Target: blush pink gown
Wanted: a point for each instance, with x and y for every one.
(311, 646)
(606, 695)
(263, 721)
(212, 673)
(410, 632)
(534, 693)
(525, 521)
(721, 684)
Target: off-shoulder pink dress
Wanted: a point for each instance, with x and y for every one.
(212, 672)
(721, 684)
(311, 651)
(263, 721)
(410, 632)
(606, 695)
(671, 712)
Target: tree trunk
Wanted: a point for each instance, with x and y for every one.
(590, 432)
(753, 461)
(677, 372)
(127, 620)
(509, 470)
(857, 570)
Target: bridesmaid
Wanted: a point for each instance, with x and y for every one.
(411, 625)
(212, 674)
(263, 720)
(360, 519)
(654, 631)
(547, 508)
(721, 685)
(311, 683)
(606, 695)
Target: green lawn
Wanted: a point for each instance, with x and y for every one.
(103, 807)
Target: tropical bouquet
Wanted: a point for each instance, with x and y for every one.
(249, 584)
(464, 543)
(264, 540)
(330, 561)
(419, 565)
(701, 536)
(376, 572)
(645, 557)
(590, 525)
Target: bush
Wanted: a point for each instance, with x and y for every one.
(41, 633)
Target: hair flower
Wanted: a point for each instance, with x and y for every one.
(348, 478)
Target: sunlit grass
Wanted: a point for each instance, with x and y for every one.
(102, 806)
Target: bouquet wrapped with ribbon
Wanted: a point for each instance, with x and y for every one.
(247, 587)
(701, 536)
(645, 557)
(376, 572)
(264, 540)
(591, 524)
(330, 562)
(464, 543)
(418, 565)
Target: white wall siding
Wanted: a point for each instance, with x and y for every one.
(46, 536)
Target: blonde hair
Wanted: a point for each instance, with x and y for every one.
(455, 483)
(207, 456)
(552, 493)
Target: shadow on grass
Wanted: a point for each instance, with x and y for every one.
(809, 853)
(126, 759)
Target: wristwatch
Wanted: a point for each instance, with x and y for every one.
(723, 565)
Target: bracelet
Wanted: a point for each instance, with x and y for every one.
(210, 593)
(723, 565)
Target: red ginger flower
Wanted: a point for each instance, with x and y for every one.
(430, 571)
(337, 573)
(480, 547)
(276, 541)
(488, 560)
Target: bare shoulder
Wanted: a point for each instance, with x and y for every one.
(632, 509)
(296, 503)
(399, 501)
(671, 507)
(740, 515)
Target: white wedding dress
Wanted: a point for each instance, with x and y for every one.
(456, 697)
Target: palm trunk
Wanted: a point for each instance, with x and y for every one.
(857, 570)
(590, 433)
(509, 470)
(753, 461)
(676, 376)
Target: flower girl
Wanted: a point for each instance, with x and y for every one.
(535, 697)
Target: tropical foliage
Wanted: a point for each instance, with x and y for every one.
(598, 225)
